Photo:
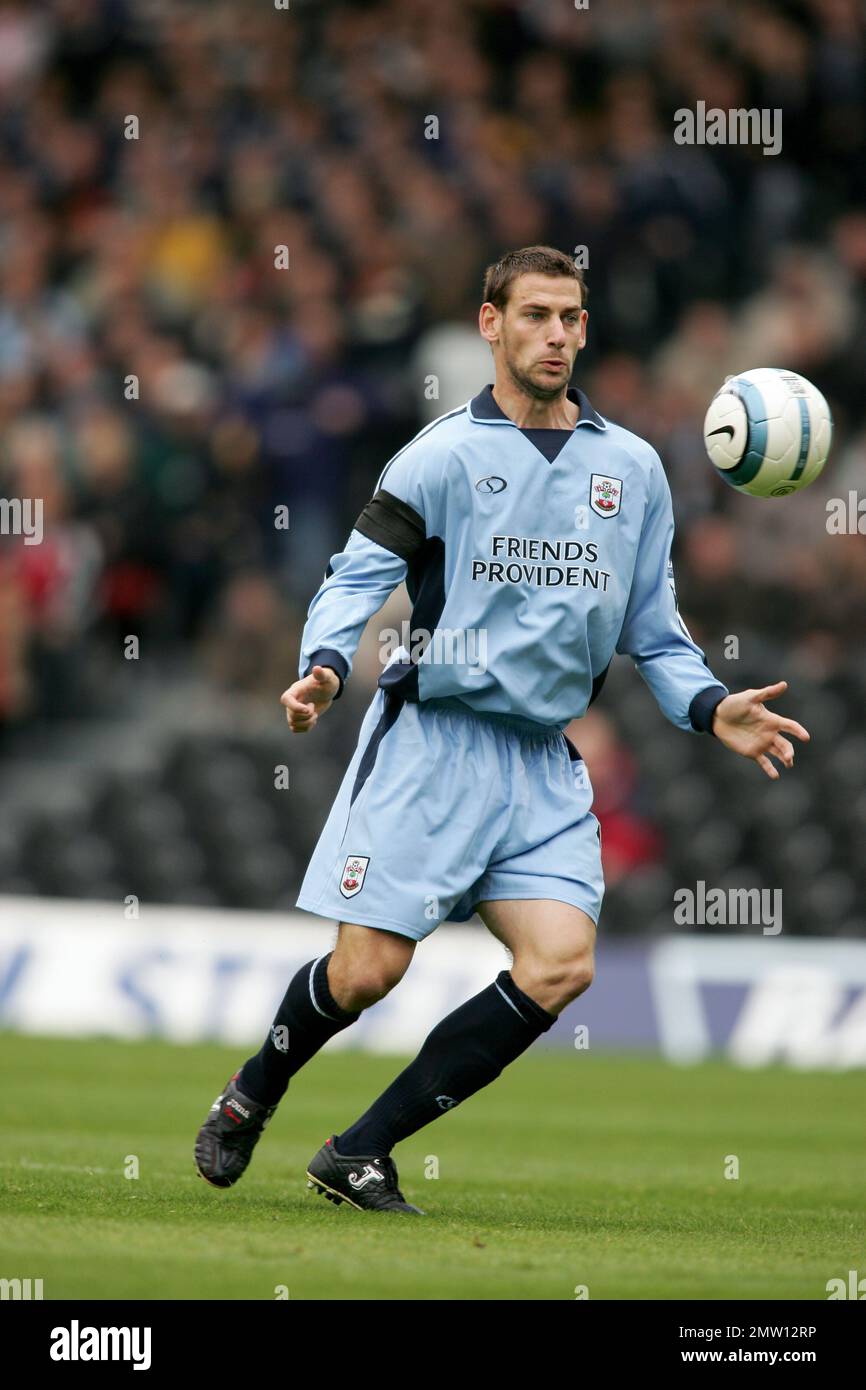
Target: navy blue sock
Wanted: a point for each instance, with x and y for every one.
(306, 1019)
(464, 1052)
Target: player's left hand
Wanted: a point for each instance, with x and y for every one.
(742, 722)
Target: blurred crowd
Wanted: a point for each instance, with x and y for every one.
(167, 384)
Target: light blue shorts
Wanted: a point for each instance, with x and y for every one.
(441, 809)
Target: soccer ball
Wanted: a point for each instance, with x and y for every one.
(768, 432)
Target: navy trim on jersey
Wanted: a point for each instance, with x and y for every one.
(425, 584)
(326, 656)
(401, 677)
(597, 682)
(549, 443)
(484, 409)
(702, 707)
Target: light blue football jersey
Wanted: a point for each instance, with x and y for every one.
(531, 558)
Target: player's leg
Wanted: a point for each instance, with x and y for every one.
(421, 829)
(327, 994)
(323, 998)
(366, 964)
(552, 943)
(541, 895)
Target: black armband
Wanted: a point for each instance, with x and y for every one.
(392, 524)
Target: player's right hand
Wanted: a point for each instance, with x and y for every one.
(310, 697)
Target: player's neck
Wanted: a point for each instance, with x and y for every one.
(529, 413)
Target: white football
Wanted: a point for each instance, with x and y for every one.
(768, 432)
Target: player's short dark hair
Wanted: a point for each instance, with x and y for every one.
(540, 260)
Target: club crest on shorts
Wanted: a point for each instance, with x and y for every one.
(605, 494)
(352, 878)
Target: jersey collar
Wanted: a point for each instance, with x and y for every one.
(484, 409)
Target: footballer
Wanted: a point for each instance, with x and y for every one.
(528, 518)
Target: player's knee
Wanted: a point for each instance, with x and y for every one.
(580, 975)
(358, 984)
(563, 980)
(366, 965)
(370, 984)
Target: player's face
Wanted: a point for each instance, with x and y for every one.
(539, 334)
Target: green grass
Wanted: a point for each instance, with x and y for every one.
(577, 1169)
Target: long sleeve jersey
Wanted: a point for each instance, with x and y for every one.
(530, 557)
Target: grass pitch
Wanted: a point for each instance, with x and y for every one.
(603, 1171)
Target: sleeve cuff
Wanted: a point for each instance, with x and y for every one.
(326, 656)
(703, 706)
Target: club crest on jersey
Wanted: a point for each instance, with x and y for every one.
(605, 494)
(352, 879)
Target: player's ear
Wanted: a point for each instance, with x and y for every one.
(487, 325)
